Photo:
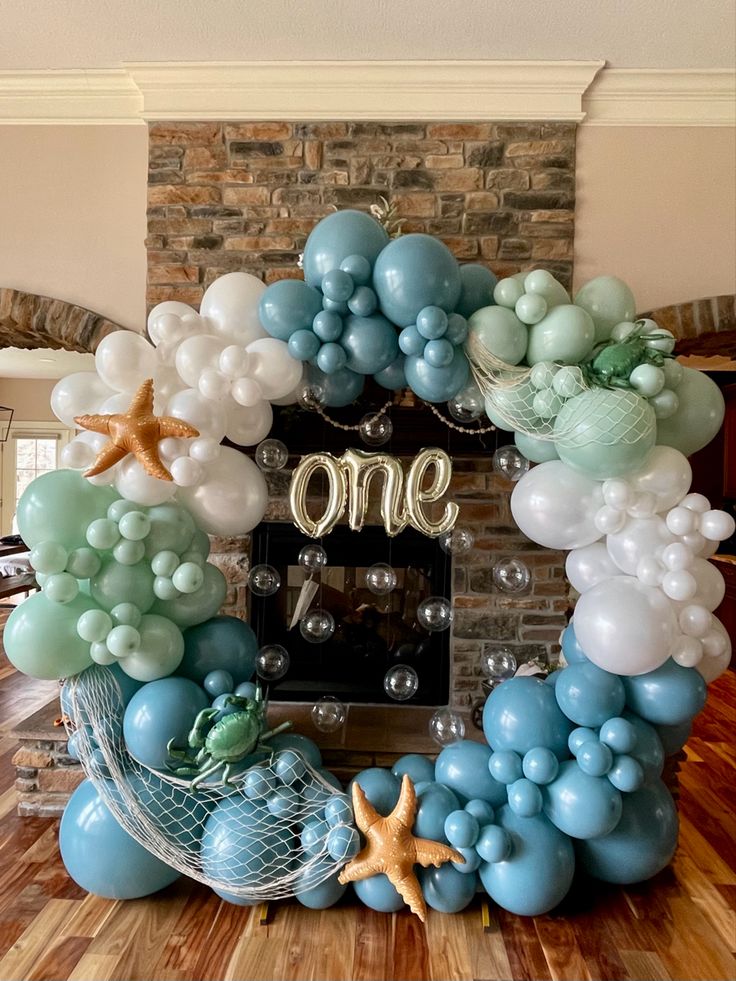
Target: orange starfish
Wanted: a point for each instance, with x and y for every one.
(136, 431)
(391, 847)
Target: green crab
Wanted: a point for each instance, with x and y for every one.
(614, 362)
(227, 742)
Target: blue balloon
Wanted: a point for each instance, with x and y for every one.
(494, 844)
(418, 767)
(363, 302)
(478, 283)
(380, 786)
(413, 272)
(619, 734)
(127, 686)
(222, 643)
(379, 893)
(588, 695)
(160, 711)
(642, 843)
(525, 798)
(594, 758)
(435, 803)
(321, 896)
(177, 815)
(481, 811)
(287, 306)
(393, 377)
(570, 648)
(439, 353)
(461, 829)
(522, 713)
(337, 285)
(506, 766)
(537, 874)
(540, 765)
(340, 388)
(101, 857)
(331, 358)
(580, 805)
(668, 696)
(674, 737)
(327, 326)
(370, 343)
(303, 345)
(626, 774)
(411, 341)
(359, 268)
(463, 767)
(437, 384)
(218, 683)
(302, 744)
(339, 236)
(648, 749)
(447, 889)
(471, 863)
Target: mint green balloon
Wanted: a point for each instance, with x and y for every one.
(94, 625)
(201, 543)
(165, 563)
(103, 534)
(41, 637)
(172, 528)
(128, 552)
(126, 613)
(159, 652)
(566, 334)
(188, 578)
(58, 506)
(698, 417)
(164, 588)
(609, 301)
(120, 507)
(605, 432)
(500, 332)
(61, 587)
(197, 607)
(83, 562)
(511, 408)
(123, 640)
(536, 450)
(48, 558)
(116, 583)
(134, 525)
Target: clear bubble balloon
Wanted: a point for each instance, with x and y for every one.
(264, 580)
(498, 663)
(468, 405)
(446, 726)
(328, 714)
(435, 613)
(376, 429)
(317, 626)
(457, 541)
(510, 463)
(511, 575)
(272, 454)
(380, 579)
(272, 662)
(401, 682)
(312, 558)
(311, 396)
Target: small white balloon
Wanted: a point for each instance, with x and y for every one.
(617, 493)
(638, 537)
(650, 570)
(708, 548)
(204, 449)
(679, 585)
(716, 525)
(715, 641)
(695, 621)
(175, 307)
(186, 472)
(214, 384)
(246, 392)
(681, 521)
(234, 361)
(195, 354)
(134, 484)
(609, 520)
(687, 651)
(272, 367)
(166, 329)
(714, 664)
(172, 447)
(710, 582)
(81, 451)
(696, 502)
(677, 557)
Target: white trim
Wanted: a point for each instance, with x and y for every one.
(70, 97)
(661, 97)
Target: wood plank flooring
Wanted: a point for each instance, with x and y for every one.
(682, 924)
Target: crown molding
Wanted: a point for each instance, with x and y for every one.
(575, 91)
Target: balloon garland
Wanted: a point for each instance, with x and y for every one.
(182, 770)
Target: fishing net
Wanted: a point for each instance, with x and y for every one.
(244, 847)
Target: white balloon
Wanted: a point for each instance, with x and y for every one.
(679, 585)
(166, 382)
(624, 626)
(666, 474)
(247, 426)
(234, 361)
(175, 307)
(609, 520)
(195, 354)
(214, 385)
(555, 506)
(80, 452)
(272, 367)
(293, 395)
(711, 584)
(586, 567)
(649, 570)
(246, 392)
(716, 526)
(172, 447)
(134, 484)
(643, 505)
(116, 404)
(205, 415)
(186, 472)
(687, 651)
(682, 521)
(639, 537)
(232, 498)
(231, 306)
(677, 556)
(78, 394)
(204, 449)
(695, 621)
(716, 641)
(617, 493)
(713, 665)
(124, 360)
(696, 502)
(707, 547)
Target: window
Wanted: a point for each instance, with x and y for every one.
(30, 450)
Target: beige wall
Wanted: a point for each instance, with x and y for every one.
(657, 207)
(29, 397)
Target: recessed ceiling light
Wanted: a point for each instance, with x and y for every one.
(47, 360)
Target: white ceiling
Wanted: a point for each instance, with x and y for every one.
(42, 363)
(47, 34)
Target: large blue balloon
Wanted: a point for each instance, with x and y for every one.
(437, 384)
(463, 767)
(538, 873)
(178, 816)
(305, 746)
(160, 711)
(478, 283)
(588, 695)
(580, 805)
(418, 767)
(570, 647)
(393, 377)
(434, 804)
(101, 857)
(327, 893)
(668, 696)
(380, 786)
(379, 893)
(287, 306)
(340, 388)
(222, 643)
(371, 343)
(339, 235)
(413, 272)
(643, 842)
(522, 713)
(446, 889)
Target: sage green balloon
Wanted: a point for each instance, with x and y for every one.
(536, 450)
(172, 529)
(41, 637)
(116, 583)
(192, 608)
(605, 432)
(58, 506)
(500, 332)
(609, 301)
(510, 407)
(565, 334)
(698, 417)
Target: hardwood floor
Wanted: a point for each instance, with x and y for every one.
(682, 924)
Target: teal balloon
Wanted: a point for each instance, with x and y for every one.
(103, 858)
(178, 815)
(412, 272)
(193, 608)
(303, 345)
(580, 805)
(160, 711)
(293, 740)
(418, 767)
(588, 695)
(41, 637)
(674, 737)
(446, 889)
(643, 842)
(287, 306)
(565, 334)
(477, 285)
(116, 583)
(570, 647)
(698, 417)
(648, 749)
(500, 332)
(538, 873)
(435, 803)
(380, 786)
(379, 893)
(340, 388)
(393, 377)
(58, 506)
(608, 301)
(669, 696)
(370, 343)
(437, 384)
(323, 895)
(522, 713)
(339, 236)
(127, 686)
(172, 530)
(463, 767)
(536, 450)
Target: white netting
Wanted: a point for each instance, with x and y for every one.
(215, 834)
